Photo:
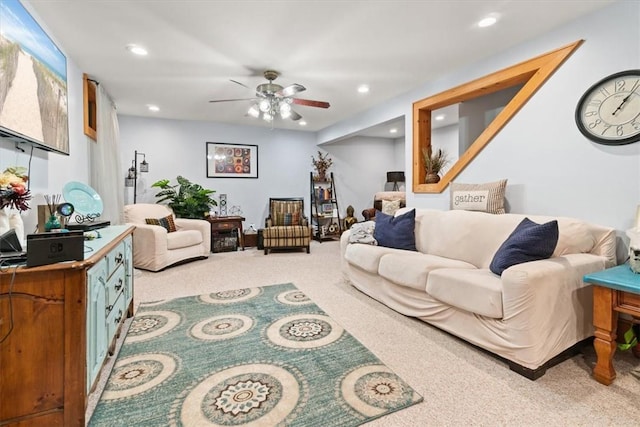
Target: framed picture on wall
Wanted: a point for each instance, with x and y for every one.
(232, 160)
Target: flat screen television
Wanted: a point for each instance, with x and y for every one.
(33, 82)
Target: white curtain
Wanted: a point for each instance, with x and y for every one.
(105, 160)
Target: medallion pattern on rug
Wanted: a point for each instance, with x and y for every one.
(257, 356)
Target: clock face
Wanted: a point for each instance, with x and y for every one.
(609, 111)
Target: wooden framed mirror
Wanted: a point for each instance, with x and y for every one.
(492, 93)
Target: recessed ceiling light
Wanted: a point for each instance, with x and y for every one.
(153, 108)
(439, 117)
(487, 22)
(138, 50)
(393, 130)
(363, 88)
(302, 123)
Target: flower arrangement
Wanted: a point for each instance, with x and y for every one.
(13, 188)
(322, 165)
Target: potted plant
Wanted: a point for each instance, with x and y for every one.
(434, 162)
(322, 165)
(188, 200)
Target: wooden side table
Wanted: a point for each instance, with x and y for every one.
(226, 223)
(616, 290)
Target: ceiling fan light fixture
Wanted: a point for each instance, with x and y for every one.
(254, 111)
(264, 105)
(285, 108)
(267, 117)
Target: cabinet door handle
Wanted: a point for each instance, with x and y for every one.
(119, 285)
(109, 308)
(119, 318)
(119, 258)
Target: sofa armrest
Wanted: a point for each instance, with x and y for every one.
(201, 225)
(369, 214)
(149, 241)
(551, 290)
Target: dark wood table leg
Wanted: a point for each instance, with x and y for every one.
(241, 234)
(605, 321)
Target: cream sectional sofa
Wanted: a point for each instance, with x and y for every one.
(534, 315)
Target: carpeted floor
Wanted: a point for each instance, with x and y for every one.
(253, 356)
(461, 385)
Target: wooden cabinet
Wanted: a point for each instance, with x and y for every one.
(226, 233)
(57, 323)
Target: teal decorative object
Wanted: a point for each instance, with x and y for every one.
(53, 223)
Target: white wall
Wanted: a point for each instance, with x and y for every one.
(174, 147)
(552, 169)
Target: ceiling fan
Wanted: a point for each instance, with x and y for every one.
(272, 99)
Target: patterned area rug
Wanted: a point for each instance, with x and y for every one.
(260, 356)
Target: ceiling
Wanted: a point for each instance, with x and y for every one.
(331, 47)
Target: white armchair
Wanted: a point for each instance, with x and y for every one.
(154, 248)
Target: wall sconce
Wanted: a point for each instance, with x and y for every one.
(131, 180)
(395, 177)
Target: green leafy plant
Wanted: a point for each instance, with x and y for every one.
(188, 200)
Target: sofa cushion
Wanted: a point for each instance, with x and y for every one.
(528, 242)
(166, 222)
(390, 207)
(183, 239)
(487, 197)
(411, 269)
(396, 231)
(477, 291)
(367, 257)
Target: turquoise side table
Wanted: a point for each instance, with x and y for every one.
(616, 290)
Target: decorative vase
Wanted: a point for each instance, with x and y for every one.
(432, 178)
(4, 221)
(322, 176)
(53, 223)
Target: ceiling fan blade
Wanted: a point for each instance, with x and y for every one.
(290, 90)
(237, 99)
(295, 116)
(238, 83)
(310, 103)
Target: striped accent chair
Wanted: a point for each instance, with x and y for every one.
(286, 227)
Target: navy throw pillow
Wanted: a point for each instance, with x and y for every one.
(528, 242)
(396, 231)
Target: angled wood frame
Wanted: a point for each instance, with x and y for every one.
(532, 74)
(90, 108)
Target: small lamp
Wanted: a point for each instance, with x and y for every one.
(395, 177)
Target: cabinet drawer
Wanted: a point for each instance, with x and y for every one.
(115, 287)
(629, 299)
(115, 258)
(114, 318)
(222, 226)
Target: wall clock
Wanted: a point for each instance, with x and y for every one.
(609, 111)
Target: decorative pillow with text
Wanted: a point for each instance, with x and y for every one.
(487, 197)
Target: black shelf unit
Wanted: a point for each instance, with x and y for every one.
(325, 213)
